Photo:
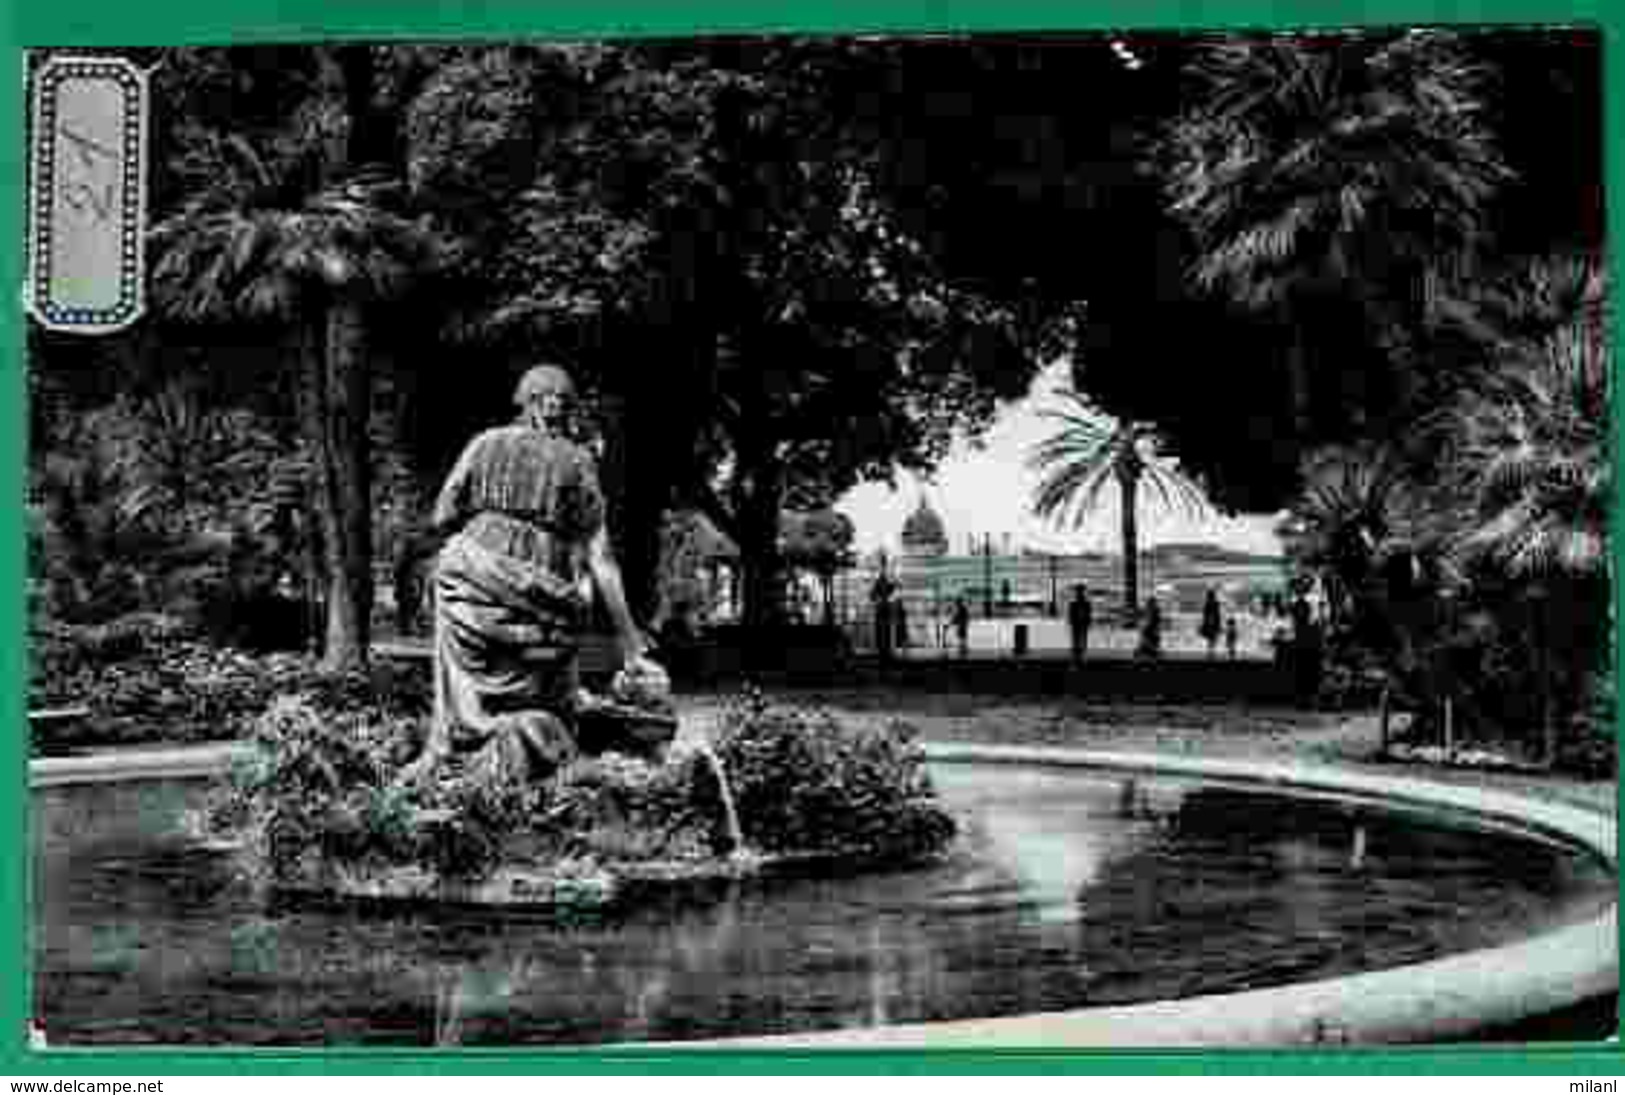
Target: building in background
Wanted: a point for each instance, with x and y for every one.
(1001, 580)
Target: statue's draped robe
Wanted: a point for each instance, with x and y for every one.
(510, 602)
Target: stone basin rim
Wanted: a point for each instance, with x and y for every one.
(1429, 1001)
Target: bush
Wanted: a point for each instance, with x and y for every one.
(624, 809)
(804, 783)
(326, 786)
(1590, 748)
(147, 678)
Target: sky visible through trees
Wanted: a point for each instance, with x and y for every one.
(985, 488)
(789, 271)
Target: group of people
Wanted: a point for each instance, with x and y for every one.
(1080, 616)
(1213, 626)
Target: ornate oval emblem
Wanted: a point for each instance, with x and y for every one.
(87, 194)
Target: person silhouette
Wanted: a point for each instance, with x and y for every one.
(880, 599)
(1080, 614)
(1151, 631)
(961, 620)
(1211, 622)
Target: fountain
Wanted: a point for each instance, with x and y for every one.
(730, 811)
(318, 804)
(1227, 904)
(555, 870)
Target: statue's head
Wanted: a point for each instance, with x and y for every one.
(545, 395)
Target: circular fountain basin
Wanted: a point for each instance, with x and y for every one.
(1093, 899)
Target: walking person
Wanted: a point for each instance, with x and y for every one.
(1307, 650)
(1151, 631)
(880, 600)
(1210, 627)
(961, 619)
(1230, 637)
(1080, 614)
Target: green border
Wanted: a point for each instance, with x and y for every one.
(116, 23)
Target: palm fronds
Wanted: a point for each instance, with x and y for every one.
(1306, 162)
(1088, 451)
(240, 249)
(1532, 448)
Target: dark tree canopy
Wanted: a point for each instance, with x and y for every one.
(783, 266)
(1027, 164)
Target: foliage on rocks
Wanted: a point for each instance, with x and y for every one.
(328, 789)
(804, 782)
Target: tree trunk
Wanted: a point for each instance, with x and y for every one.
(1543, 666)
(759, 560)
(373, 139)
(1297, 370)
(339, 387)
(1129, 489)
(637, 494)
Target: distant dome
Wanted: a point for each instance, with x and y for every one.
(923, 532)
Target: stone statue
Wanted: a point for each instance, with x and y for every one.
(525, 549)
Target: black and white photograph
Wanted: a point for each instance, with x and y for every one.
(1066, 539)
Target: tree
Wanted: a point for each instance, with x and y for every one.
(821, 542)
(1320, 174)
(1481, 575)
(1362, 526)
(1089, 451)
(1532, 447)
(307, 237)
(697, 205)
(1533, 472)
(1345, 522)
(691, 552)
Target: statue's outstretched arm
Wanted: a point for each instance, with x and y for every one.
(606, 577)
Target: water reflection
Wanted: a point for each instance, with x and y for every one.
(1064, 891)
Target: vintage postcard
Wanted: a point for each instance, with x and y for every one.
(1068, 539)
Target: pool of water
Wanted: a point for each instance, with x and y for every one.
(1067, 889)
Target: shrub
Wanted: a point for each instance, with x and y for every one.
(317, 784)
(1590, 748)
(145, 677)
(325, 787)
(805, 783)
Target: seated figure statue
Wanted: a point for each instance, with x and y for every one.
(525, 547)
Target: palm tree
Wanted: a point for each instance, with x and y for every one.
(251, 247)
(1532, 448)
(1090, 450)
(1365, 526)
(1345, 521)
(1316, 172)
(183, 465)
(1534, 469)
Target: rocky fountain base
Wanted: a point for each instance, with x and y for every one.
(324, 805)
